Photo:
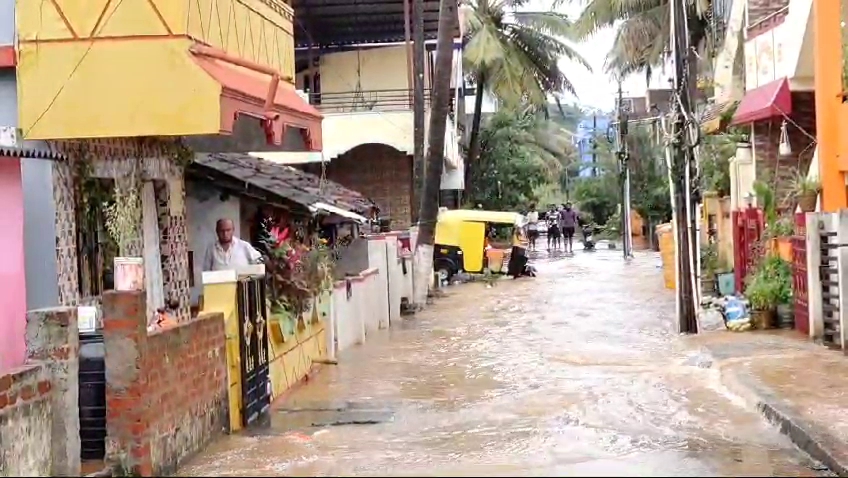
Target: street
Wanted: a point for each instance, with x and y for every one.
(575, 372)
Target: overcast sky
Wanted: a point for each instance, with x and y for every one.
(596, 89)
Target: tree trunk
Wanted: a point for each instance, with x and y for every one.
(474, 136)
(439, 107)
(418, 160)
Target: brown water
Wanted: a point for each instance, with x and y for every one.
(577, 371)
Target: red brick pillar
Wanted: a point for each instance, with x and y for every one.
(52, 339)
(127, 410)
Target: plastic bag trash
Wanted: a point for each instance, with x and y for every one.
(735, 309)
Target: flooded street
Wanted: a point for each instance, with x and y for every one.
(575, 372)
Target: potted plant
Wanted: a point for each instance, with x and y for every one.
(768, 286)
(779, 233)
(709, 267)
(123, 222)
(806, 192)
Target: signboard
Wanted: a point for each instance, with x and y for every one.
(765, 59)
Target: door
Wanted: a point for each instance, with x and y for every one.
(472, 236)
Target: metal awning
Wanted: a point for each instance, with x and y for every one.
(767, 101)
(320, 206)
(323, 23)
(715, 118)
(291, 157)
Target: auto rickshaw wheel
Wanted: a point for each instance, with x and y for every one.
(443, 273)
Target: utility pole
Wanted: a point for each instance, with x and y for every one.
(418, 105)
(682, 173)
(594, 140)
(621, 153)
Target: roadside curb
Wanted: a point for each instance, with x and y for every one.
(813, 440)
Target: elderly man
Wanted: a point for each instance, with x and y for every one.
(229, 252)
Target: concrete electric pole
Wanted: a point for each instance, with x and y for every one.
(621, 153)
(683, 172)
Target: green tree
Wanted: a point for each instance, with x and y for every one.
(643, 31)
(520, 151)
(515, 54)
(649, 193)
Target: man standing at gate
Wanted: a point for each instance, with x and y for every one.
(229, 252)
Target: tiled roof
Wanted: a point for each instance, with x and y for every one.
(284, 181)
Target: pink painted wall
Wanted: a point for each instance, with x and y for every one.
(12, 271)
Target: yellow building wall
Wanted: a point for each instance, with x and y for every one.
(292, 355)
(251, 29)
(381, 68)
(222, 298)
(126, 71)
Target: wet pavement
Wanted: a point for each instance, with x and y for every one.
(577, 371)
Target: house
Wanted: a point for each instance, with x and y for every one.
(130, 90)
(764, 85)
(589, 130)
(352, 62)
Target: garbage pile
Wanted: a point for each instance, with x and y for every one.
(734, 311)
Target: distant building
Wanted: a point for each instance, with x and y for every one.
(589, 129)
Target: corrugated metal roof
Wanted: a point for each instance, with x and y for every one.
(284, 181)
(30, 153)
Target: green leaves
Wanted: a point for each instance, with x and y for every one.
(643, 30)
(519, 151)
(518, 51)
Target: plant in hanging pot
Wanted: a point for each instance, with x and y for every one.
(806, 192)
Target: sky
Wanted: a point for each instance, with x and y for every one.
(596, 89)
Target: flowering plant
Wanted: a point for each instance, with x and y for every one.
(297, 272)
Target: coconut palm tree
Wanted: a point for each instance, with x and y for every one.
(515, 54)
(643, 33)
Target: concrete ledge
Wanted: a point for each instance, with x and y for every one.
(814, 440)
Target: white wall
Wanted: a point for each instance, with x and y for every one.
(203, 208)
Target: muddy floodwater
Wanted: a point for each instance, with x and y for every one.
(576, 372)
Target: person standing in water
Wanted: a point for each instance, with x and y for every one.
(532, 226)
(568, 218)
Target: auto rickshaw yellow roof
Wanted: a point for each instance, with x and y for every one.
(480, 215)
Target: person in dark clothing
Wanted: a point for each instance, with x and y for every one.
(568, 219)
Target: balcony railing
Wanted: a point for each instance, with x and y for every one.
(369, 100)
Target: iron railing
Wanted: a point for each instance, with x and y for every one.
(370, 100)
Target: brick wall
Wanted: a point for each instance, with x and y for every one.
(39, 411)
(381, 173)
(166, 392)
(25, 422)
(781, 170)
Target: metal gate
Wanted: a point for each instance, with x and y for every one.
(255, 377)
(747, 230)
(799, 274)
(829, 275)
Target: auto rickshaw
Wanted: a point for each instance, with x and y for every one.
(460, 241)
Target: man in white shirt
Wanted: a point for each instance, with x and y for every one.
(532, 226)
(229, 252)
